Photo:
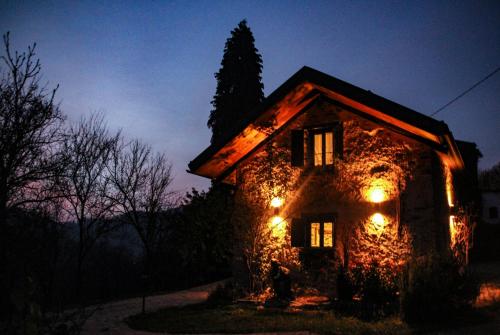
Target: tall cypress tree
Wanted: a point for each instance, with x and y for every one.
(239, 83)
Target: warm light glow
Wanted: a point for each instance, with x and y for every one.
(276, 220)
(276, 202)
(449, 186)
(378, 190)
(378, 223)
(315, 234)
(378, 219)
(328, 234)
(329, 148)
(278, 226)
(318, 150)
(453, 230)
(376, 195)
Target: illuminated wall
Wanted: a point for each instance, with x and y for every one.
(380, 193)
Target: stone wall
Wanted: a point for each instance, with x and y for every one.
(409, 172)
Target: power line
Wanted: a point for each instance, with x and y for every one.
(467, 91)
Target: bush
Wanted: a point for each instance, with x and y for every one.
(222, 295)
(367, 292)
(379, 286)
(345, 285)
(436, 289)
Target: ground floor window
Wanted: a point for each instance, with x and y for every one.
(314, 232)
(321, 234)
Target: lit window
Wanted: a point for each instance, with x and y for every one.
(323, 144)
(323, 148)
(329, 148)
(328, 234)
(315, 234)
(321, 234)
(318, 149)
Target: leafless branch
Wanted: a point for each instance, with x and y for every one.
(30, 132)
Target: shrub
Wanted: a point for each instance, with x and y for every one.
(436, 289)
(222, 295)
(367, 292)
(345, 285)
(379, 286)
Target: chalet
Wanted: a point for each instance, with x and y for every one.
(327, 174)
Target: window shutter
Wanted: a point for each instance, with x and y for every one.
(307, 234)
(298, 237)
(310, 148)
(297, 148)
(339, 141)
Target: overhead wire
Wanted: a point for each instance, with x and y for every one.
(466, 91)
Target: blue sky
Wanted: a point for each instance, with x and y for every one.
(149, 65)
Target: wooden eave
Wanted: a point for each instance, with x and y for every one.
(299, 92)
(256, 132)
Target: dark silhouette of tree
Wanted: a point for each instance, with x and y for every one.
(30, 124)
(141, 191)
(142, 196)
(239, 86)
(489, 180)
(85, 184)
(206, 233)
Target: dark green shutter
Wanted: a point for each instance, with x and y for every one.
(339, 141)
(297, 148)
(298, 237)
(307, 233)
(310, 148)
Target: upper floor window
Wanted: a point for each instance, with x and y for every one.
(321, 146)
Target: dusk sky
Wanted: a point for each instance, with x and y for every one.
(149, 66)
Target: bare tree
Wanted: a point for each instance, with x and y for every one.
(86, 185)
(30, 124)
(127, 170)
(141, 183)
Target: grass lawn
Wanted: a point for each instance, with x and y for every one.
(203, 318)
(237, 319)
(207, 318)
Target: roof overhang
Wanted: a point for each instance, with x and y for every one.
(299, 93)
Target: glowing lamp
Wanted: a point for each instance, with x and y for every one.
(278, 226)
(378, 223)
(276, 202)
(376, 195)
(276, 220)
(378, 220)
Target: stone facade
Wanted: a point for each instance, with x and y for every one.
(413, 217)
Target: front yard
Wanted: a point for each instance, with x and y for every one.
(236, 318)
(203, 318)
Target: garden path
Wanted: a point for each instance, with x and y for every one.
(108, 318)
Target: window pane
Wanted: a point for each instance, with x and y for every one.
(318, 150)
(329, 148)
(315, 238)
(328, 234)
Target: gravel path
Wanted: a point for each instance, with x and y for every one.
(108, 318)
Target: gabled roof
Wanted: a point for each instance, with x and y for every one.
(296, 95)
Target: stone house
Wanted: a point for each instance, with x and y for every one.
(327, 174)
